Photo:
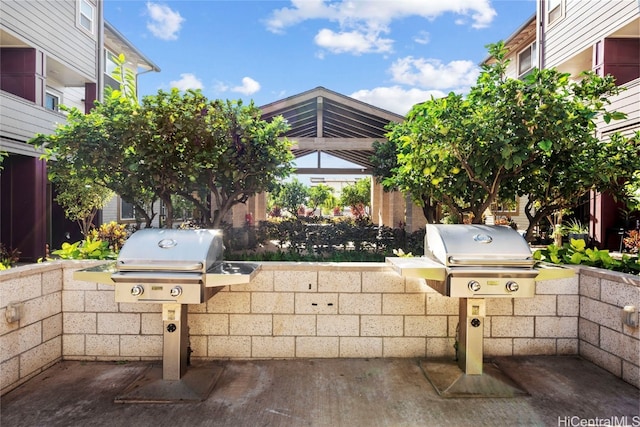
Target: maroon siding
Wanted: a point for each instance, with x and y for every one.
(23, 206)
(90, 96)
(18, 72)
(619, 58)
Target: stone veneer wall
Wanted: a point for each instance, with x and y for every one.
(604, 339)
(32, 344)
(312, 310)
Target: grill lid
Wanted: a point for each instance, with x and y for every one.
(477, 245)
(170, 250)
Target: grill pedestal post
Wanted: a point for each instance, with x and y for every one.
(471, 332)
(175, 341)
(172, 382)
(469, 376)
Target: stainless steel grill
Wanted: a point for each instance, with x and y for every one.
(473, 262)
(167, 266)
(481, 261)
(174, 268)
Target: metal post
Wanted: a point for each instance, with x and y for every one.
(175, 341)
(471, 321)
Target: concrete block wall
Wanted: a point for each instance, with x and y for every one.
(34, 342)
(95, 327)
(339, 311)
(604, 339)
(319, 310)
(312, 310)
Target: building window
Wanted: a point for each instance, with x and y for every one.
(52, 101)
(86, 15)
(109, 67)
(527, 60)
(504, 207)
(555, 10)
(127, 211)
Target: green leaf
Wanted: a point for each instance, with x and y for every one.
(545, 145)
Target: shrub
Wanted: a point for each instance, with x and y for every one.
(576, 252)
(632, 242)
(324, 239)
(86, 249)
(113, 233)
(8, 257)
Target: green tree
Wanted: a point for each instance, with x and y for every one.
(385, 164)
(98, 147)
(291, 195)
(242, 155)
(500, 140)
(81, 199)
(564, 179)
(357, 196)
(173, 144)
(3, 155)
(319, 195)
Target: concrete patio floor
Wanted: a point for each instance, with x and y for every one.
(560, 391)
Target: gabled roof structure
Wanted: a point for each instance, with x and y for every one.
(323, 121)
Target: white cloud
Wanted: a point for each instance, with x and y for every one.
(372, 18)
(187, 81)
(422, 37)
(352, 41)
(301, 11)
(165, 23)
(220, 87)
(248, 87)
(395, 98)
(433, 74)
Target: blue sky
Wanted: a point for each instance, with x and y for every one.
(389, 53)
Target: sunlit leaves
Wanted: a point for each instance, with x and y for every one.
(172, 143)
(507, 138)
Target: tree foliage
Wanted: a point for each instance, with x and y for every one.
(290, 195)
(320, 195)
(509, 138)
(357, 196)
(81, 200)
(213, 153)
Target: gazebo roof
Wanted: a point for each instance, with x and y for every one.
(323, 121)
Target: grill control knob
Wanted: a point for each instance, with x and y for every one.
(176, 291)
(137, 290)
(474, 286)
(512, 286)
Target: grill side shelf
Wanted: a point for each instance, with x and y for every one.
(99, 273)
(228, 273)
(420, 267)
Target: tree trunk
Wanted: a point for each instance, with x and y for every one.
(429, 210)
(168, 220)
(556, 228)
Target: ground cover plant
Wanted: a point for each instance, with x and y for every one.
(576, 252)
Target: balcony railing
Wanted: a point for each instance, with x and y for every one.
(22, 120)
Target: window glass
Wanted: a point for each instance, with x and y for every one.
(109, 63)
(505, 206)
(126, 210)
(554, 8)
(86, 15)
(527, 59)
(52, 102)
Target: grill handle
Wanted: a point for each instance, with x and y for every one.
(197, 266)
(493, 262)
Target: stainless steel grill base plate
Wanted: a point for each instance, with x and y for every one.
(450, 381)
(150, 387)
